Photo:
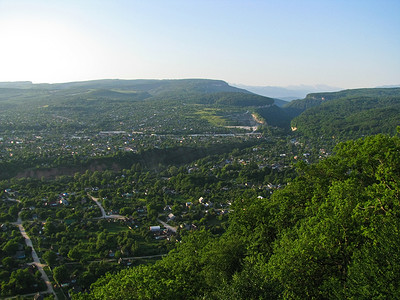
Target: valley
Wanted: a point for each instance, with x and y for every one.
(188, 189)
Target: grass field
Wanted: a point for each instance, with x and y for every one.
(212, 117)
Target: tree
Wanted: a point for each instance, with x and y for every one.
(60, 274)
(50, 227)
(9, 263)
(75, 253)
(50, 257)
(21, 282)
(10, 247)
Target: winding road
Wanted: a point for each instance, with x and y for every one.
(36, 260)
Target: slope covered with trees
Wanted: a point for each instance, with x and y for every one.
(296, 107)
(350, 117)
(275, 116)
(332, 233)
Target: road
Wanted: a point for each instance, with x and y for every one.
(103, 212)
(173, 229)
(35, 257)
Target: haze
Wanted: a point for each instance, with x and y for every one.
(347, 44)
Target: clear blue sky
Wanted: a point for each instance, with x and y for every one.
(348, 44)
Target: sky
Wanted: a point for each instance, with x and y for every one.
(340, 43)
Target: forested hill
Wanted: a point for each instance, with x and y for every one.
(350, 114)
(201, 91)
(153, 87)
(296, 107)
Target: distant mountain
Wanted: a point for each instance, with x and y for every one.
(280, 102)
(153, 87)
(161, 106)
(388, 86)
(287, 93)
(16, 84)
(202, 91)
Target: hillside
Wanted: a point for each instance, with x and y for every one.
(192, 90)
(104, 104)
(153, 87)
(275, 116)
(350, 114)
(296, 107)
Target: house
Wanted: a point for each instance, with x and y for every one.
(171, 217)
(155, 228)
(63, 201)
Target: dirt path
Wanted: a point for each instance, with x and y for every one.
(35, 257)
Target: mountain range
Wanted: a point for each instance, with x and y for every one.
(288, 93)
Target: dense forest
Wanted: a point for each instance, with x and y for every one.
(193, 189)
(296, 107)
(350, 117)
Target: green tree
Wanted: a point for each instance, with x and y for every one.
(60, 274)
(10, 247)
(75, 253)
(50, 257)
